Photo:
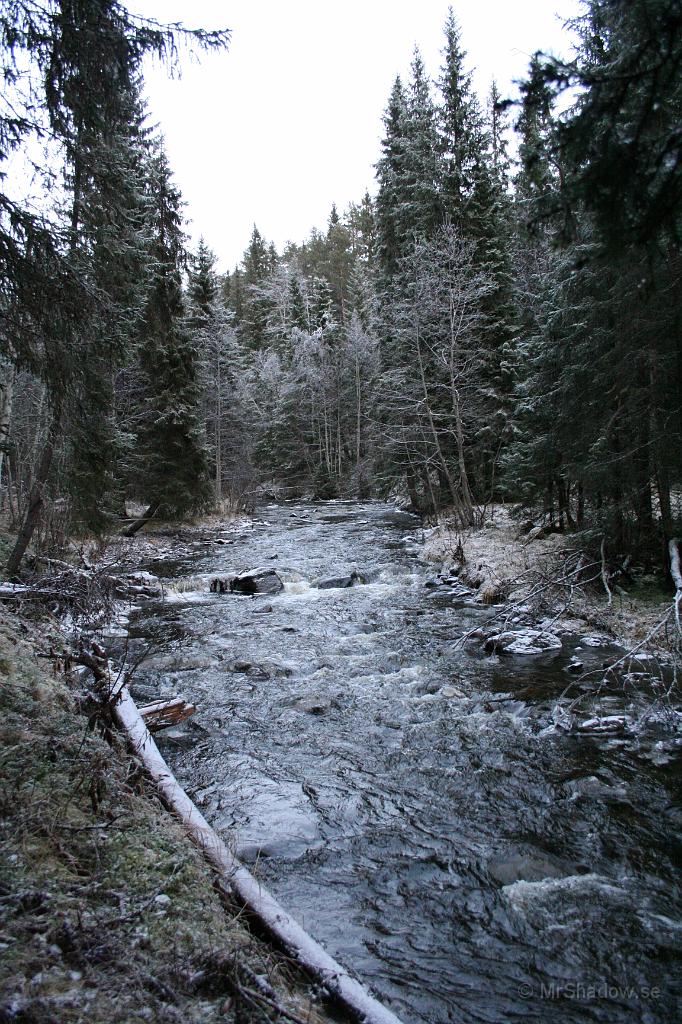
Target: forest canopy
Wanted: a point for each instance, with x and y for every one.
(488, 326)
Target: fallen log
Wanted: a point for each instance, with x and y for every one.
(258, 901)
(676, 573)
(162, 714)
(18, 590)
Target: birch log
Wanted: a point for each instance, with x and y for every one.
(676, 573)
(301, 946)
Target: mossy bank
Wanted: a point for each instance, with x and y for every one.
(108, 913)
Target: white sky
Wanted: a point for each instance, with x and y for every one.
(288, 120)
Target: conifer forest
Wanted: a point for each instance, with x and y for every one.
(483, 328)
(441, 718)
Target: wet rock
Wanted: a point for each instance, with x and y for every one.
(263, 609)
(452, 691)
(575, 666)
(527, 866)
(523, 641)
(313, 705)
(355, 579)
(596, 640)
(251, 581)
(257, 581)
(537, 533)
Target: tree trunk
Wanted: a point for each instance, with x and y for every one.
(6, 388)
(462, 514)
(35, 501)
(218, 432)
(239, 881)
(137, 524)
(581, 507)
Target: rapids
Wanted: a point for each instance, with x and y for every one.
(413, 804)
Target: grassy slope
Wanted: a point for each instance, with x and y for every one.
(107, 913)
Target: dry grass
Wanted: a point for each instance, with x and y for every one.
(502, 564)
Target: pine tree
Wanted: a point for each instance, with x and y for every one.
(609, 327)
(202, 291)
(256, 266)
(71, 70)
(171, 463)
(422, 186)
(391, 227)
(460, 125)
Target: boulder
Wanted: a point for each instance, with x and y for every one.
(596, 640)
(342, 582)
(523, 641)
(251, 581)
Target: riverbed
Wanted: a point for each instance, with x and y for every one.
(412, 802)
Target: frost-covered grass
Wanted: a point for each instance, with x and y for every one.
(108, 913)
(501, 563)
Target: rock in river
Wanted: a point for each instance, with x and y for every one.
(523, 641)
(251, 581)
(355, 579)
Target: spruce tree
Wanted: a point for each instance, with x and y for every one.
(70, 70)
(256, 266)
(392, 230)
(460, 123)
(171, 469)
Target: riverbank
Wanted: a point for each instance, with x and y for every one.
(552, 583)
(108, 912)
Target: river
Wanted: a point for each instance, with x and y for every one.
(410, 803)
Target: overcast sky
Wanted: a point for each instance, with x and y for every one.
(288, 121)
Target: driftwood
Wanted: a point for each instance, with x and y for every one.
(81, 589)
(162, 714)
(18, 591)
(301, 946)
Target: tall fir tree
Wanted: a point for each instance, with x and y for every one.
(460, 123)
(170, 457)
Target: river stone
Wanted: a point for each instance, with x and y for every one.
(313, 705)
(596, 640)
(575, 665)
(523, 641)
(452, 691)
(355, 579)
(527, 866)
(256, 581)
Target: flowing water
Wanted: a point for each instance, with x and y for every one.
(412, 804)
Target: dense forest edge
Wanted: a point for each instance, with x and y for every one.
(484, 329)
(499, 326)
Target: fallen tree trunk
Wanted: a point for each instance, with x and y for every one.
(162, 714)
(675, 570)
(258, 901)
(676, 573)
(137, 524)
